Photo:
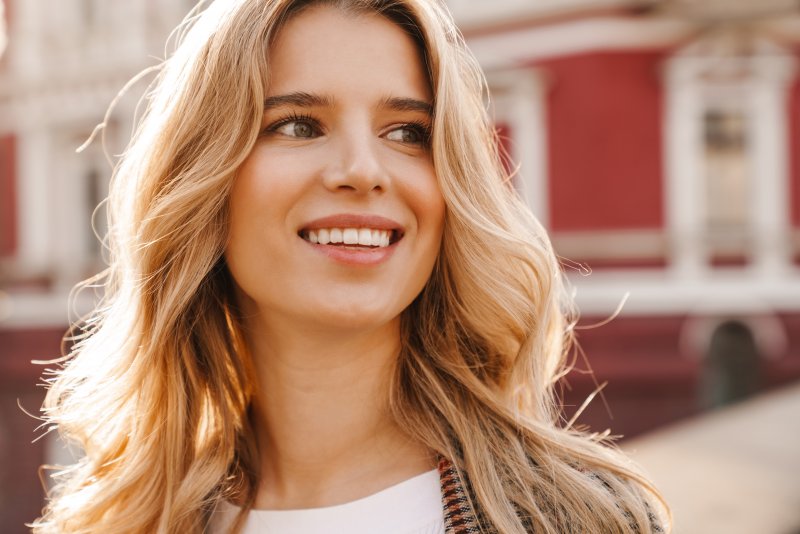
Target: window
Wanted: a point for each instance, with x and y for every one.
(727, 185)
(727, 156)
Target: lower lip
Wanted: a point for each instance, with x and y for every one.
(355, 256)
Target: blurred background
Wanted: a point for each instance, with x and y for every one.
(657, 140)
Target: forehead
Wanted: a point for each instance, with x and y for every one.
(324, 49)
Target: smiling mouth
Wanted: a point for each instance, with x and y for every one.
(355, 238)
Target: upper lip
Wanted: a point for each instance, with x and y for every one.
(354, 220)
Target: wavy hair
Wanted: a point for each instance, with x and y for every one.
(157, 391)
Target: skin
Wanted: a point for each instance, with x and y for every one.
(324, 334)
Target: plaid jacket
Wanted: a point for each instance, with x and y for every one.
(459, 517)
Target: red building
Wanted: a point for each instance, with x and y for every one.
(657, 141)
(63, 64)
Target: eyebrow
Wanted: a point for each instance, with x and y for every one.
(407, 104)
(299, 99)
(309, 100)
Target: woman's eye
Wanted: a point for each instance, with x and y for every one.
(410, 134)
(296, 128)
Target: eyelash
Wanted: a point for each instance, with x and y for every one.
(423, 129)
(293, 117)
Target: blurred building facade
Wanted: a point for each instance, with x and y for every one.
(64, 63)
(656, 140)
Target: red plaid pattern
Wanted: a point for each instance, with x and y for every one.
(459, 517)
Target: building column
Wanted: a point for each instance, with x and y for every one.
(769, 133)
(33, 202)
(683, 195)
(519, 101)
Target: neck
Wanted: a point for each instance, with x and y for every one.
(323, 426)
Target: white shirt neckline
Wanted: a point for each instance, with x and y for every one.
(413, 506)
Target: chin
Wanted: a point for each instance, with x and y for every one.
(357, 316)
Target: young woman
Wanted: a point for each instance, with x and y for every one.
(326, 309)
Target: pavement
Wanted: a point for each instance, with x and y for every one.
(735, 470)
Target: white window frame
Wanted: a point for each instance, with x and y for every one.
(763, 98)
(518, 99)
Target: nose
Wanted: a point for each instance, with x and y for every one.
(357, 165)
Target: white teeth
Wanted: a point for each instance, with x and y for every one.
(350, 236)
(365, 237)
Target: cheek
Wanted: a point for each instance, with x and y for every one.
(430, 203)
(241, 252)
(246, 209)
(437, 209)
(429, 208)
(266, 188)
(256, 221)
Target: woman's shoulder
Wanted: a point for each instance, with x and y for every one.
(465, 515)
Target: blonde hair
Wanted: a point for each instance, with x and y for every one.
(157, 390)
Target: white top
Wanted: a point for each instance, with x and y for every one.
(413, 506)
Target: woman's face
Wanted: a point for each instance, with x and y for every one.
(336, 215)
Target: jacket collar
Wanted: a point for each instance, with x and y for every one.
(459, 516)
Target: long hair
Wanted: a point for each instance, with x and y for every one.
(158, 388)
